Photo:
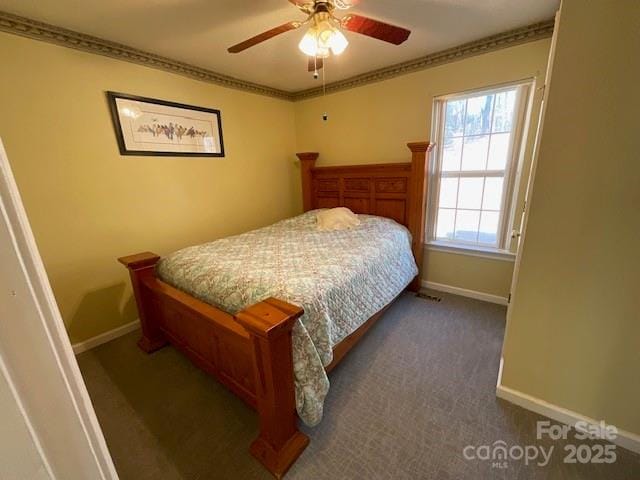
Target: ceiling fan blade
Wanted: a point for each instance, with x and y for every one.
(376, 29)
(264, 36)
(315, 63)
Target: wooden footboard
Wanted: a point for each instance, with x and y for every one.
(250, 353)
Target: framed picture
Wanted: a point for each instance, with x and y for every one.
(147, 126)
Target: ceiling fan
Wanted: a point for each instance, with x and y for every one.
(325, 30)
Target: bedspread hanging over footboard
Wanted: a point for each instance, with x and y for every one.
(340, 278)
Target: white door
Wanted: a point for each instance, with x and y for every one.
(48, 427)
(525, 214)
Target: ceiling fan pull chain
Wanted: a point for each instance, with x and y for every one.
(325, 116)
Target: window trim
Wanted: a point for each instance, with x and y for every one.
(512, 172)
(471, 250)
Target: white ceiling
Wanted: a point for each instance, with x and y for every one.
(198, 32)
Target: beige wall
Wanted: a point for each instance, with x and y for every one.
(373, 123)
(573, 336)
(476, 273)
(88, 205)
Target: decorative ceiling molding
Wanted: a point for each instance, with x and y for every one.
(68, 38)
(530, 33)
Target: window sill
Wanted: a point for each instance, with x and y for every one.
(471, 250)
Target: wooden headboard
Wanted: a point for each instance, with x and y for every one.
(393, 190)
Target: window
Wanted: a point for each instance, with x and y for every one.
(478, 137)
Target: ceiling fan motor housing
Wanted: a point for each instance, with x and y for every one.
(322, 6)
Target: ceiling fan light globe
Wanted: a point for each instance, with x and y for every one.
(325, 37)
(309, 43)
(338, 42)
(322, 52)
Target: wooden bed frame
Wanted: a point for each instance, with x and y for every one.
(250, 352)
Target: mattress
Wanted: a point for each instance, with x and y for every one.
(340, 278)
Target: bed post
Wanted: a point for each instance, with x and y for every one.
(141, 266)
(307, 162)
(279, 442)
(417, 203)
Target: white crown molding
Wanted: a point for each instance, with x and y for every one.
(68, 38)
(36, 30)
(529, 33)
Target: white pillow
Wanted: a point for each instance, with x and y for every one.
(339, 218)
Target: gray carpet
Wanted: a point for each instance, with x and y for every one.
(404, 403)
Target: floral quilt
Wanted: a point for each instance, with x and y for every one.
(340, 278)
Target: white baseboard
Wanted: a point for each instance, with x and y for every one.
(487, 297)
(628, 440)
(105, 337)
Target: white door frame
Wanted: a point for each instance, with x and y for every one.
(36, 355)
(530, 184)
